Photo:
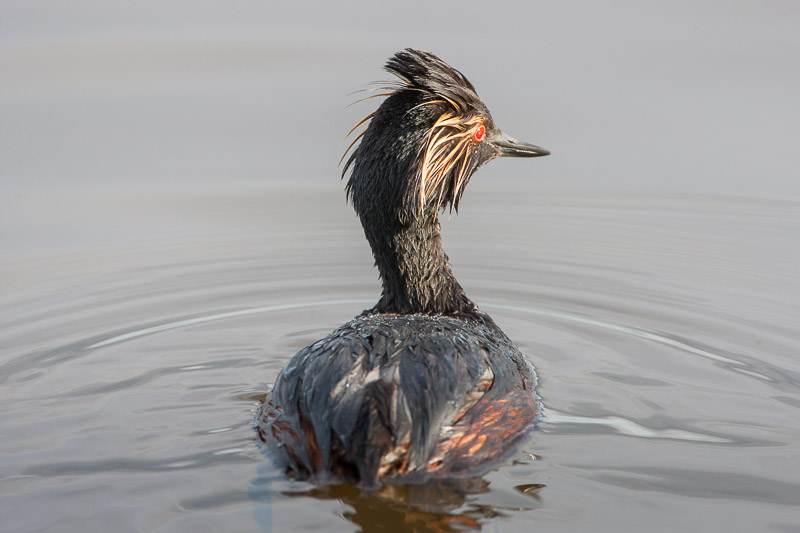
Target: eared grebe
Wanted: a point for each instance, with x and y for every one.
(423, 385)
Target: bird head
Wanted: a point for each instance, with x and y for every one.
(425, 141)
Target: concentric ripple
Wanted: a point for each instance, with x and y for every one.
(668, 358)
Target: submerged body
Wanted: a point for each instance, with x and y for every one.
(402, 397)
(424, 385)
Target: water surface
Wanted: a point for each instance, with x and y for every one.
(663, 329)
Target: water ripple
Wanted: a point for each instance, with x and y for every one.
(215, 317)
(630, 428)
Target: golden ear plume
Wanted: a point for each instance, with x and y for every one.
(446, 150)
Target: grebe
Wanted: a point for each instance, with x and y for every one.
(424, 385)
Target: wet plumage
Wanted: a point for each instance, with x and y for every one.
(423, 385)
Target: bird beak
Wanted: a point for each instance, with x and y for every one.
(510, 147)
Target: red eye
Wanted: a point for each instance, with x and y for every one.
(480, 133)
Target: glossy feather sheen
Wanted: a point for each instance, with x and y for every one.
(401, 396)
(423, 385)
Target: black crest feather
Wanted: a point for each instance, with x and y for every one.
(416, 147)
(425, 72)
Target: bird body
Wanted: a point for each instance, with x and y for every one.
(409, 397)
(425, 384)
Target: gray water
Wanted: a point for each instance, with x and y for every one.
(666, 349)
(173, 231)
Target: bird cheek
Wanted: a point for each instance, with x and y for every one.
(484, 153)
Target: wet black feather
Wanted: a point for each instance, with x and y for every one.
(382, 391)
(382, 380)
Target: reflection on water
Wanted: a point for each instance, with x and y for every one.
(452, 505)
(435, 506)
(663, 331)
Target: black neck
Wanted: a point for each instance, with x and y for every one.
(414, 269)
(405, 239)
